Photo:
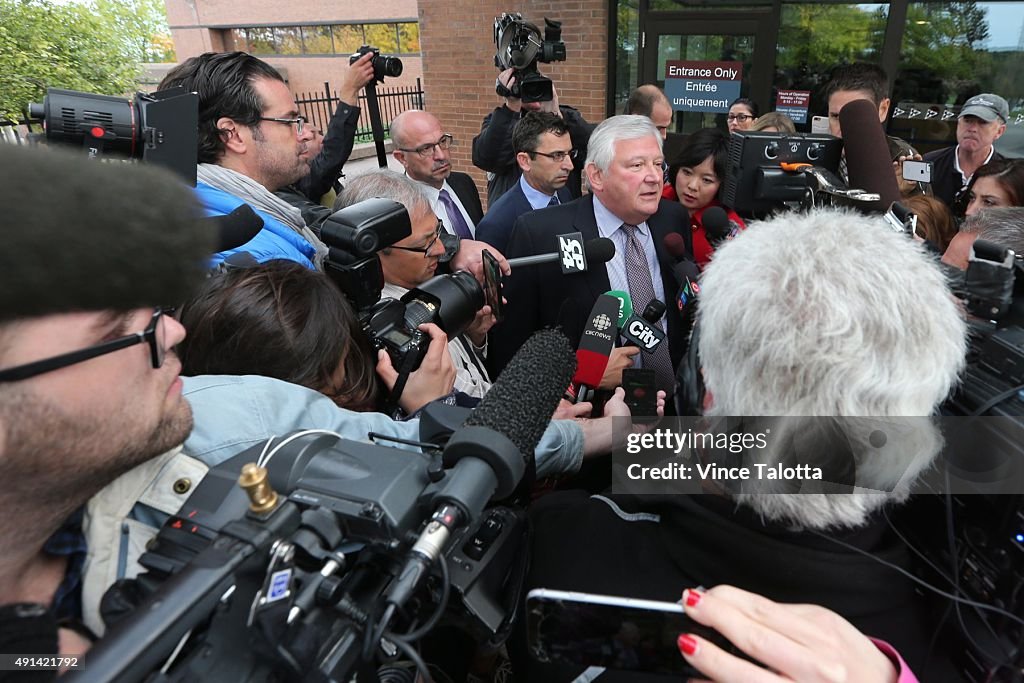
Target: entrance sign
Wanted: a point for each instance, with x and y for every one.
(702, 86)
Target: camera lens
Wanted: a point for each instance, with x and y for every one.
(450, 301)
(390, 66)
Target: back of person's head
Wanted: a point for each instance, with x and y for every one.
(1009, 173)
(1003, 226)
(601, 147)
(281, 320)
(935, 222)
(526, 134)
(118, 236)
(773, 119)
(386, 184)
(701, 144)
(859, 77)
(224, 83)
(642, 100)
(826, 314)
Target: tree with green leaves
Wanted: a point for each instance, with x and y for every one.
(89, 46)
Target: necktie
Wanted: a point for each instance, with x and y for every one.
(554, 200)
(455, 216)
(641, 291)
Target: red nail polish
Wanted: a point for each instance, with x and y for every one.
(687, 644)
(692, 597)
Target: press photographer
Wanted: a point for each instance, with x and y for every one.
(516, 55)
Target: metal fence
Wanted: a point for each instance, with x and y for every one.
(14, 133)
(319, 107)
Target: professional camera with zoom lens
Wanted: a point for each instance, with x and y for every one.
(383, 65)
(449, 301)
(519, 47)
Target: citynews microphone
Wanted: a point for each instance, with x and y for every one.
(717, 226)
(595, 348)
(236, 228)
(868, 162)
(642, 330)
(685, 271)
(574, 255)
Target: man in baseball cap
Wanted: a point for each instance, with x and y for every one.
(981, 122)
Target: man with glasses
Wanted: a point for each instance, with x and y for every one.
(89, 386)
(414, 260)
(545, 156)
(423, 148)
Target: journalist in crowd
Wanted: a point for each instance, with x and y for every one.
(786, 328)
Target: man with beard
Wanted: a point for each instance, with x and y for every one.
(89, 383)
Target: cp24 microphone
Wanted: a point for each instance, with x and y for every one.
(685, 271)
(717, 225)
(596, 346)
(574, 254)
(490, 452)
(868, 162)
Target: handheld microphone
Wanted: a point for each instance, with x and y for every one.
(236, 228)
(685, 270)
(642, 330)
(489, 453)
(868, 162)
(625, 306)
(596, 346)
(597, 250)
(717, 225)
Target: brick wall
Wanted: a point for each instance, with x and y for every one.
(457, 43)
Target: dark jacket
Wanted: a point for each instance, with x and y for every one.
(492, 149)
(946, 180)
(465, 190)
(496, 227)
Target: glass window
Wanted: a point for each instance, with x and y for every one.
(815, 37)
(317, 40)
(238, 42)
(261, 41)
(950, 52)
(348, 38)
(382, 36)
(288, 39)
(408, 38)
(626, 54)
(718, 6)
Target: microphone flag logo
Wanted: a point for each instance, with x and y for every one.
(571, 247)
(602, 322)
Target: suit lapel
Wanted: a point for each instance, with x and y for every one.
(585, 223)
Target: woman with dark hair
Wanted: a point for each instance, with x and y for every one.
(998, 183)
(695, 181)
(285, 321)
(742, 113)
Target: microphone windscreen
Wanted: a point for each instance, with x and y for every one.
(675, 245)
(519, 405)
(236, 228)
(716, 223)
(599, 250)
(868, 162)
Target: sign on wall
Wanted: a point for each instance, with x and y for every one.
(702, 86)
(793, 103)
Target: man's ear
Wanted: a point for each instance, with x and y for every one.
(594, 177)
(1000, 131)
(523, 159)
(399, 156)
(883, 110)
(228, 130)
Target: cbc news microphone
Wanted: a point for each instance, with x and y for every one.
(868, 162)
(597, 250)
(489, 454)
(685, 271)
(595, 348)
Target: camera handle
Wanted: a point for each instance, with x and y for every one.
(373, 107)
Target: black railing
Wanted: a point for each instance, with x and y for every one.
(319, 107)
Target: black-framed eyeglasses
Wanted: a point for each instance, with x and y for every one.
(559, 156)
(298, 122)
(742, 118)
(446, 142)
(153, 335)
(425, 250)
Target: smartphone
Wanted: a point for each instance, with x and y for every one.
(917, 171)
(641, 393)
(819, 124)
(492, 285)
(626, 634)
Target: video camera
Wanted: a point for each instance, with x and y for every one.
(161, 128)
(519, 47)
(354, 235)
(385, 65)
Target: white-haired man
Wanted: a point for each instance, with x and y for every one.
(623, 168)
(788, 328)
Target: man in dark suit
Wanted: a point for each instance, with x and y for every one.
(623, 169)
(545, 155)
(422, 147)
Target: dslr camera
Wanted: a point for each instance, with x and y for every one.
(385, 65)
(519, 47)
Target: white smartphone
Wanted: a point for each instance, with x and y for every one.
(819, 124)
(917, 171)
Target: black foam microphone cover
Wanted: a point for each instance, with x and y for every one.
(868, 162)
(236, 228)
(716, 223)
(599, 250)
(675, 245)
